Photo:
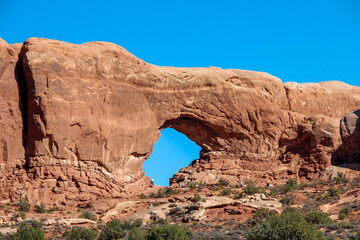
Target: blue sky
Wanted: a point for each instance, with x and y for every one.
(301, 41)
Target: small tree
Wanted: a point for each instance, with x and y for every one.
(251, 189)
(88, 214)
(40, 208)
(112, 230)
(341, 178)
(28, 231)
(167, 231)
(197, 197)
(344, 213)
(288, 225)
(317, 217)
(223, 182)
(24, 205)
(81, 233)
(136, 234)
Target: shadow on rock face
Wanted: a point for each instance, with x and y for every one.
(348, 154)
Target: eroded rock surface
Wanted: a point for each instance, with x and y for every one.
(94, 111)
(349, 151)
(11, 125)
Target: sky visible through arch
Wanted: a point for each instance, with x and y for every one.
(171, 152)
(297, 41)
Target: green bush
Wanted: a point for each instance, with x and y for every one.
(142, 196)
(174, 211)
(81, 233)
(223, 182)
(197, 197)
(116, 229)
(159, 194)
(167, 231)
(317, 217)
(23, 215)
(88, 214)
(28, 231)
(226, 191)
(344, 213)
(290, 185)
(288, 225)
(170, 191)
(24, 205)
(136, 234)
(251, 189)
(239, 195)
(333, 192)
(164, 192)
(112, 230)
(341, 178)
(40, 208)
(342, 216)
(287, 200)
(261, 214)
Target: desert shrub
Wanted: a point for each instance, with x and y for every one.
(342, 216)
(197, 197)
(24, 205)
(88, 214)
(40, 208)
(27, 231)
(226, 191)
(170, 191)
(251, 189)
(223, 182)
(142, 196)
(52, 209)
(290, 185)
(172, 205)
(341, 178)
(194, 185)
(274, 192)
(287, 200)
(332, 193)
(317, 217)
(81, 233)
(164, 192)
(112, 230)
(288, 225)
(211, 235)
(239, 195)
(166, 231)
(23, 215)
(116, 229)
(261, 214)
(344, 213)
(159, 194)
(156, 203)
(174, 211)
(136, 234)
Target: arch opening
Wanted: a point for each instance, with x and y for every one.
(173, 151)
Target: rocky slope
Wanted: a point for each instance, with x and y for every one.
(78, 121)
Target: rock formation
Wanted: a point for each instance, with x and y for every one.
(11, 122)
(92, 113)
(349, 151)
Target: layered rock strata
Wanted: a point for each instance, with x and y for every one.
(92, 113)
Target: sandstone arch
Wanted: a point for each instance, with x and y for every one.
(94, 112)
